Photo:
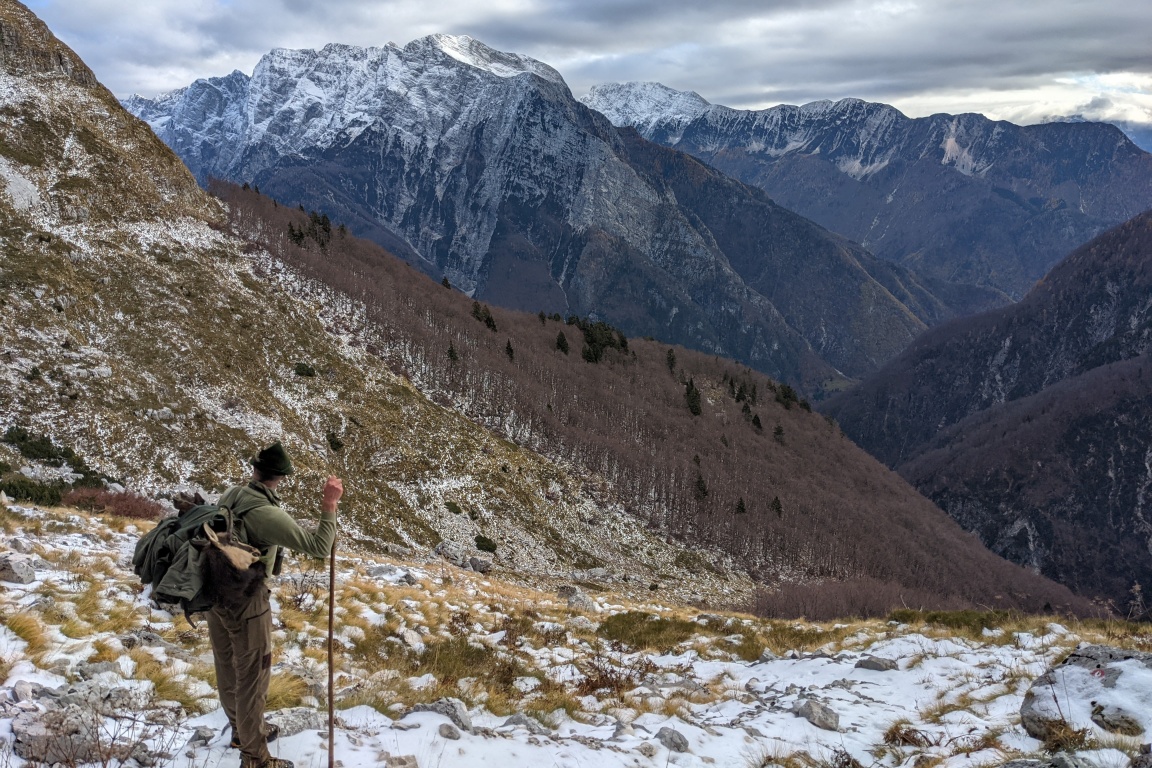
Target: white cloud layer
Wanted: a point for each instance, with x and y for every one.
(1010, 59)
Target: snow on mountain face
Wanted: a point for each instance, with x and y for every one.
(643, 105)
(960, 198)
(481, 166)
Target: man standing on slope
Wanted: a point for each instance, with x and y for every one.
(242, 639)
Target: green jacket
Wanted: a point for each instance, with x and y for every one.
(268, 527)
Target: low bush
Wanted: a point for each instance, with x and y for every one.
(970, 621)
(20, 488)
(643, 630)
(485, 544)
(122, 504)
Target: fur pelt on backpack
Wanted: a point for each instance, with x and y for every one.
(232, 571)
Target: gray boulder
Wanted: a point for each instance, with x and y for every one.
(820, 715)
(1098, 669)
(452, 552)
(17, 568)
(296, 720)
(449, 731)
(876, 663)
(527, 723)
(451, 708)
(480, 565)
(672, 739)
(70, 736)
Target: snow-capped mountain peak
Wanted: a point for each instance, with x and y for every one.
(474, 53)
(642, 104)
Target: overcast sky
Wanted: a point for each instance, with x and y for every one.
(1019, 60)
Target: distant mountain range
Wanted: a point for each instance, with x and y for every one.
(958, 198)
(480, 166)
(1030, 424)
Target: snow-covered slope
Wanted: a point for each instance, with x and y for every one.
(959, 197)
(522, 677)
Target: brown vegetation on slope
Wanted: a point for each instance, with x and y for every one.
(790, 498)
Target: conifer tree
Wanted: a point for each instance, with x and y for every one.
(701, 487)
(692, 396)
(777, 507)
(452, 353)
(445, 282)
(671, 360)
(509, 351)
(562, 342)
(740, 508)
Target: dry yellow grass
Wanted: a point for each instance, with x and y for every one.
(285, 691)
(165, 685)
(28, 626)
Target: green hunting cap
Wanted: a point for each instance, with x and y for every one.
(273, 460)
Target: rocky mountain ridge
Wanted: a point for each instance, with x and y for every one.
(959, 198)
(495, 177)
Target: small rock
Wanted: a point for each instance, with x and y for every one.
(876, 663)
(402, 726)
(819, 715)
(24, 690)
(527, 723)
(401, 761)
(23, 546)
(581, 624)
(296, 720)
(451, 708)
(449, 731)
(451, 551)
(647, 749)
(201, 737)
(672, 739)
(408, 579)
(384, 571)
(17, 569)
(767, 655)
(480, 565)
(1116, 720)
(1141, 761)
(412, 639)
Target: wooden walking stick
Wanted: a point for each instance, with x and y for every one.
(331, 658)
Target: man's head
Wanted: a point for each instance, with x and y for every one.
(271, 464)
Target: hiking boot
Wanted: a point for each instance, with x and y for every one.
(271, 732)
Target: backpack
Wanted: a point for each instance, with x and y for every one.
(178, 560)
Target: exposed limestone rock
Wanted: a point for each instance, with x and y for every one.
(17, 569)
(451, 708)
(820, 715)
(1082, 683)
(876, 663)
(672, 739)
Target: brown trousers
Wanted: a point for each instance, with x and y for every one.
(242, 652)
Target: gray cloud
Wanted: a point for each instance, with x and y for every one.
(744, 53)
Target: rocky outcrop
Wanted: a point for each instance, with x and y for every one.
(961, 198)
(1094, 685)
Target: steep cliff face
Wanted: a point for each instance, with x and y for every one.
(960, 198)
(479, 165)
(1029, 424)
